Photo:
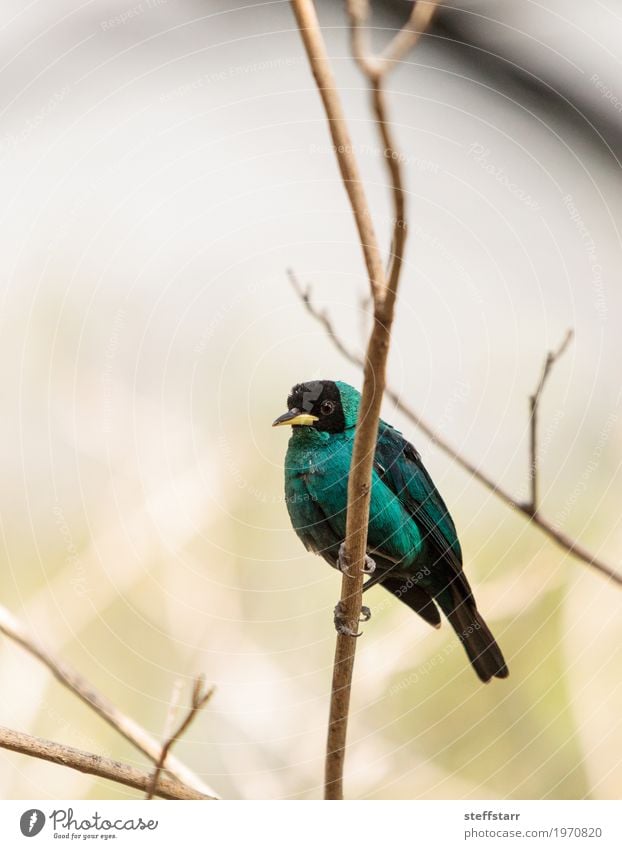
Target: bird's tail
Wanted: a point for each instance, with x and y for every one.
(479, 643)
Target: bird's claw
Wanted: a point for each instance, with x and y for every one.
(341, 622)
(342, 565)
(369, 566)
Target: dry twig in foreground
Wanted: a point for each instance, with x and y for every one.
(199, 700)
(11, 627)
(36, 747)
(383, 288)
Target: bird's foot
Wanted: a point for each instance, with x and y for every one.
(342, 565)
(369, 566)
(341, 622)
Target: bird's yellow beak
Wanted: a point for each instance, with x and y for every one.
(295, 417)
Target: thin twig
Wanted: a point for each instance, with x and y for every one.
(569, 545)
(199, 700)
(358, 11)
(393, 160)
(534, 402)
(402, 42)
(315, 47)
(172, 707)
(11, 627)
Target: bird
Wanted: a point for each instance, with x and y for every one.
(413, 550)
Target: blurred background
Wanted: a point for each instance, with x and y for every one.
(162, 164)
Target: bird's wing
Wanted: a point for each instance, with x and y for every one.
(319, 529)
(400, 467)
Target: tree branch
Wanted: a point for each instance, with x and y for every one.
(534, 401)
(565, 542)
(383, 288)
(402, 42)
(11, 627)
(393, 160)
(199, 700)
(315, 47)
(121, 773)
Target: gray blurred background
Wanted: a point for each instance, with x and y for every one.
(162, 163)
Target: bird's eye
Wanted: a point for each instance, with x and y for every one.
(327, 408)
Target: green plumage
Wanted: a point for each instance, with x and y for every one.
(411, 535)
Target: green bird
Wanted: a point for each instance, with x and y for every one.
(413, 549)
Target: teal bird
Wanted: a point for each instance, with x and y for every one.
(413, 548)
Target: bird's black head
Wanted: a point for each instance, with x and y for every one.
(316, 403)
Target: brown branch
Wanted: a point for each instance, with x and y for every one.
(565, 542)
(11, 627)
(383, 289)
(376, 69)
(371, 398)
(393, 160)
(402, 42)
(121, 773)
(315, 47)
(534, 402)
(358, 11)
(199, 700)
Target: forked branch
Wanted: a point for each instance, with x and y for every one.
(200, 698)
(383, 288)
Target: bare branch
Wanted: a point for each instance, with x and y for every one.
(376, 70)
(374, 67)
(373, 383)
(409, 35)
(315, 47)
(199, 700)
(383, 288)
(565, 542)
(121, 773)
(323, 318)
(11, 627)
(358, 10)
(393, 160)
(534, 401)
